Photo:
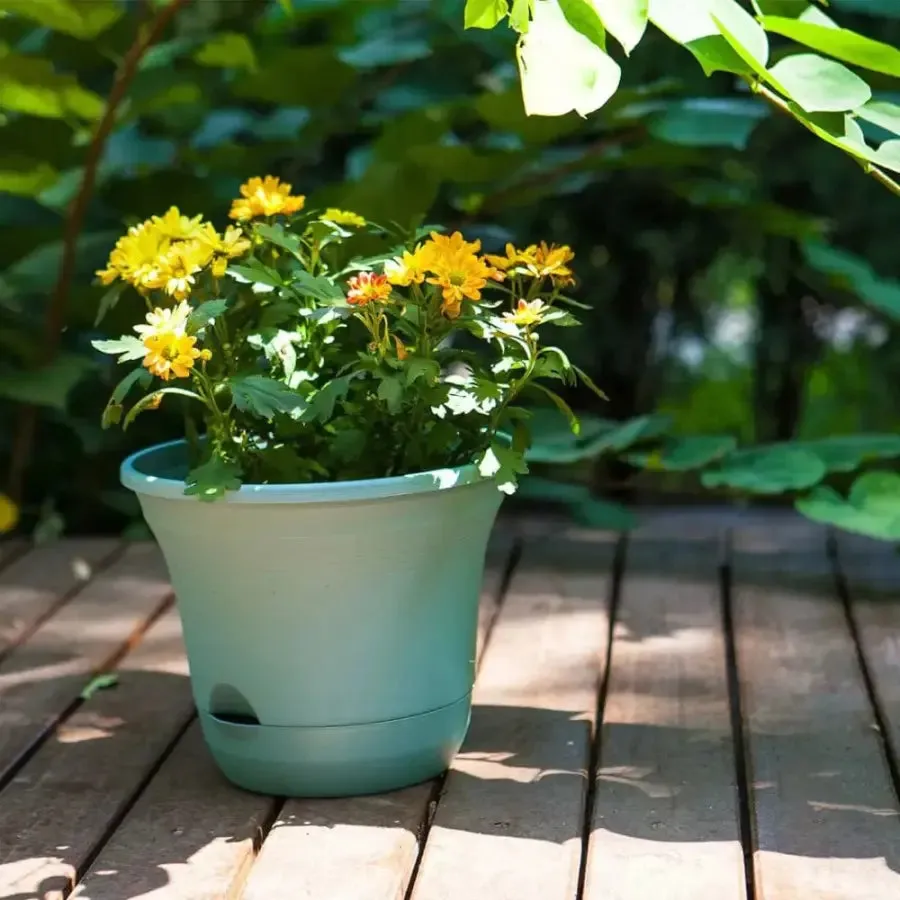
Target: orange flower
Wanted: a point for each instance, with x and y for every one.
(402, 352)
(551, 262)
(513, 258)
(526, 313)
(368, 287)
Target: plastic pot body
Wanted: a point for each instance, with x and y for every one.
(330, 628)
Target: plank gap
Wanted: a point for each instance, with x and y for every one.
(119, 816)
(742, 773)
(620, 555)
(885, 736)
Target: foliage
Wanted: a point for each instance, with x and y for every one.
(312, 363)
(688, 203)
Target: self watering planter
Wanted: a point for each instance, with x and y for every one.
(330, 628)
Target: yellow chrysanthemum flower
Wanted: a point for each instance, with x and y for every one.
(9, 514)
(526, 314)
(267, 196)
(224, 247)
(172, 355)
(551, 262)
(410, 268)
(513, 258)
(172, 320)
(457, 270)
(177, 267)
(343, 217)
(135, 256)
(177, 227)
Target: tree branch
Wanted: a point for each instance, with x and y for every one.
(56, 311)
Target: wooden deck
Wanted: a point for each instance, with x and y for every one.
(709, 710)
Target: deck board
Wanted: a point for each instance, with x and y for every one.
(666, 820)
(35, 585)
(117, 797)
(59, 807)
(41, 678)
(825, 814)
(509, 823)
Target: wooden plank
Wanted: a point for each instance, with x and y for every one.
(509, 824)
(41, 678)
(10, 549)
(365, 848)
(871, 571)
(63, 802)
(666, 820)
(190, 836)
(35, 586)
(825, 814)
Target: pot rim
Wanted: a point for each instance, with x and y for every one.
(135, 476)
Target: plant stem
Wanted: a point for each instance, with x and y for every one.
(56, 311)
(780, 103)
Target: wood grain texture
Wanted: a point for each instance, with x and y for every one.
(825, 814)
(42, 677)
(871, 571)
(34, 586)
(61, 804)
(510, 820)
(190, 836)
(363, 848)
(666, 821)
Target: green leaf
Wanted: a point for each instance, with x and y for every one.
(213, 479)
(625, 20)
(598, 438)
(128, 348)
(322, 403)
(317, 287)
(692, 25)
(298, 76)
(108, 301)
(817, 84)
(417, 367)
(872, 508)
(560, 404)
(390, 390)
(47, 386)
(520, 15)
(151, 400)
(30, 85)
(589, 383)
(846, 453)
(484, 13)
(25, 177)
(841, 43)
(257, 273)
(881, 113)
(852, 273)
(205, 314)
(84, 19)
(583, 17)
(681, 454)
(790, 8)
(112, 414)
(228, 50)
(561, 70)
(709, 122)
(98, 683)
(504, 465)
(278, 235)
(767, 470)
(263, 396)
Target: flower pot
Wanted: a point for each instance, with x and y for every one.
(330, 628)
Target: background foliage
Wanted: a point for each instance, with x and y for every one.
(742, 276)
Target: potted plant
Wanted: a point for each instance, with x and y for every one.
(352, 423)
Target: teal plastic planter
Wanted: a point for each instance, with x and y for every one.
(330, 628)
